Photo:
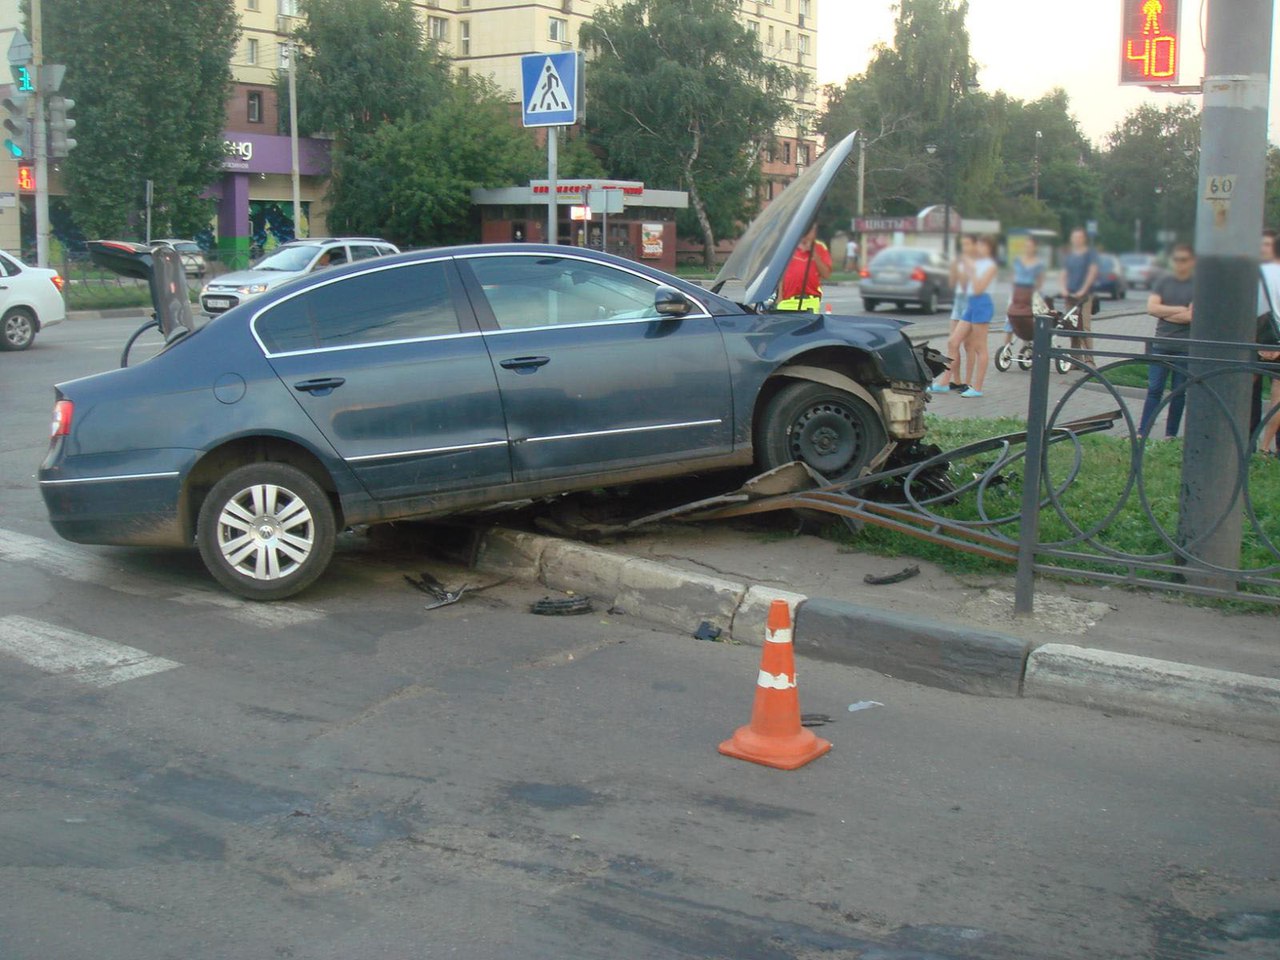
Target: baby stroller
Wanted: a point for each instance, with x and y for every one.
(1020, 350)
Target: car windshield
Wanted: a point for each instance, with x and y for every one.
(898, 258)
(1135, 259)
(186, 246)
(289, 258)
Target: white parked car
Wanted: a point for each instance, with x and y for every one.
(30, 300)
(294, 259)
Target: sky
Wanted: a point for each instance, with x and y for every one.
(1026, 48)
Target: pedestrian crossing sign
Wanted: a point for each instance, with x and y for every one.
(551, 94)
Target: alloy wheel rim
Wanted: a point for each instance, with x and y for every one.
(17, 330)
(266, 532)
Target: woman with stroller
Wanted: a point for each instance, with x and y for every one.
(972, 330)
(1028, 274)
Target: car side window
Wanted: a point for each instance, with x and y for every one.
(363, 251)
(8, 268)
(404, 303)
(525, 292)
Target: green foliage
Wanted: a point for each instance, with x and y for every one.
(1149, 171)
(410, 180)
(362, 63)
(680, 94)
(1271, 203)
(150, 79)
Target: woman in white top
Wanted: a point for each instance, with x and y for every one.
(972, 330)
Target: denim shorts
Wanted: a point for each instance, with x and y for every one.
(980, 309)
(958, 306)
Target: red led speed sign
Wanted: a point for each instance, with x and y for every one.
(1149, 42)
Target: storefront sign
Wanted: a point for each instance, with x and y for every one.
(264, 153)
(884, 225)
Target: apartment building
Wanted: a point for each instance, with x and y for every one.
(488, 38)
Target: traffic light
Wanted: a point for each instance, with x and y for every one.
(60, 125)
(1149, 49)
(23, 82)
(17, 141)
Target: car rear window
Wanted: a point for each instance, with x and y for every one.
(899, 258)
(409, 302)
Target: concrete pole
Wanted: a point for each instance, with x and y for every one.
(862, 194)
(40, 139)
(553, 198)
(293, 141)
(1233, 144)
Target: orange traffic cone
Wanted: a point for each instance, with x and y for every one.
(774, 737)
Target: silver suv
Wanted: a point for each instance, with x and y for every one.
(293, 259)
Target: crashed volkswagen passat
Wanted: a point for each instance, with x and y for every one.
(441, 381)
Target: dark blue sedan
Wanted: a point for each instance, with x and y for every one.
(440, 381)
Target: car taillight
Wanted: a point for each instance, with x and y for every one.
(864, 273)
(61, 426)
(917, 273)
(58, 281)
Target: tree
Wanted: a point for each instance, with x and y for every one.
(1271, 204)
(1150, 170)
(916, 92)
(362, 63)
(411, 180)
(150, 79)
(680, 93)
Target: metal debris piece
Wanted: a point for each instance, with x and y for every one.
(706, 631)
(814, 719)
(569, 606)
(440, 595)
(906, 573)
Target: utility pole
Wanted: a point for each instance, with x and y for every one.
(39, 139)
(293, 138)
(1035, 170)
(1232, 165)
(553, 188)
(862, 188)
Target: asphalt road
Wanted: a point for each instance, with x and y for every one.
(348, 775)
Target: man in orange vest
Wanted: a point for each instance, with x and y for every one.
(810, 265)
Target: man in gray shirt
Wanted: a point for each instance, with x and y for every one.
(1170, 304)
(1079, 273)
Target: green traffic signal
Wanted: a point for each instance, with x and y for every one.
(22, 79)
(18, 142)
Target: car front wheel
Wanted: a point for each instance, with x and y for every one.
(17, 329)
(266, 531)
(929, 304)
(869, 305)
(828, 429)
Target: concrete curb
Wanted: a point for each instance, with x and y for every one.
(1177, 692)
(967, 660)
(114, 313)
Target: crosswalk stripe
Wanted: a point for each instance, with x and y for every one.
(79, 565)
(78, 656)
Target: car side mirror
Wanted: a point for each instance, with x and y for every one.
(670, 302)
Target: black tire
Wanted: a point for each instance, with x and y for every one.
(929, 304)
(17, 329)
(1062, 364)
(244, 519)
(870, 305)
(1004, 357)
(834, 432)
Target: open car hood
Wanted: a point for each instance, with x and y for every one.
(760, 257)
(161, 266)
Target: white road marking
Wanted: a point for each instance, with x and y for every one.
(78, 656)
(82, 566)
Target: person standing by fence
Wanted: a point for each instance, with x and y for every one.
(1268, 335)
(1028, 274)
(1079, 273)
(1170, 304)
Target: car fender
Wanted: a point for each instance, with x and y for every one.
(829, 378)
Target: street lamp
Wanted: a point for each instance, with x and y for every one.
(1035, 169)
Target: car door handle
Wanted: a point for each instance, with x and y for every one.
(319, 387)
(523, 363)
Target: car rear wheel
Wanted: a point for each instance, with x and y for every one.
(17, 329)
(266, 531)
(929, 304)
(828, 429)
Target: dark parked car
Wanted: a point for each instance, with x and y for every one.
(439, 381)
(904, 275)
(1111, 282)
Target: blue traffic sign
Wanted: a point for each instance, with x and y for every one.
(551, 94)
